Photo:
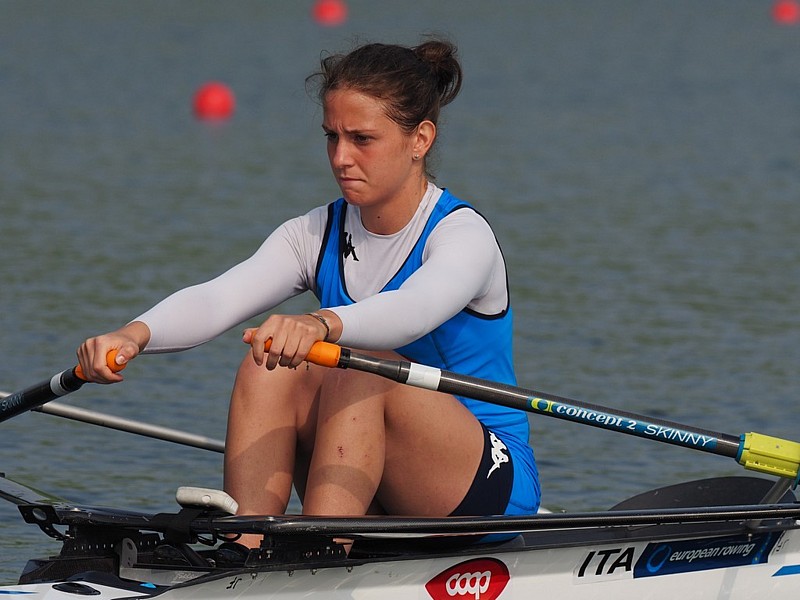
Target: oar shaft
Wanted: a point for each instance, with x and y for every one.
(754, 451)
(131, 426)
(60, 384)
(596, 416)
(542, 403)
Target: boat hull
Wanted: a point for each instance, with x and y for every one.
(632, 551)
(737, 567)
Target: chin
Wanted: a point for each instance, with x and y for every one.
(354, 199)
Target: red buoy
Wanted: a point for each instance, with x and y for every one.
(786, 12)
(329, 13)
(214, 100)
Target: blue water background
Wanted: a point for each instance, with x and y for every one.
(639, 160)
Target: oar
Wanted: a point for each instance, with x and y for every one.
(754, 451)
(58, 385)
(157, 432)
(40, 400)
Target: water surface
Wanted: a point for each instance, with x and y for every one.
(638, 160)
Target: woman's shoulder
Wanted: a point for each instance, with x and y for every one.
(460, 212)
(313, 221)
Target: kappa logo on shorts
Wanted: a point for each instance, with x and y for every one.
(477, 579)
(499, 453)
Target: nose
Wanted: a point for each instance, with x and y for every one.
(339, 154)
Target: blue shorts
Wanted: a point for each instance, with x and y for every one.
(502, 486)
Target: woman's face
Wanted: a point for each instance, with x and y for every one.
(370, 156)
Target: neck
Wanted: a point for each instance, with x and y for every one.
(390, 217)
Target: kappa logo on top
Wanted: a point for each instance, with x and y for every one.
(477, 579)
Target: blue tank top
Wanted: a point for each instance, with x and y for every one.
(469, 343)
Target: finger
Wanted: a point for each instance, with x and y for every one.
(303, 350)
(86, 353)
(126, 353)
(275, 352)
(259, 336)
(99, 362)
(248, 337)
(93, 362)
(291, 356)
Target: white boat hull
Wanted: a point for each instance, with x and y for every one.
(552, 574)
(732, 552)
(702, 568)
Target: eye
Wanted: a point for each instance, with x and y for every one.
(361, 139)
(331, 137)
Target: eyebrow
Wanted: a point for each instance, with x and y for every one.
(351, 131)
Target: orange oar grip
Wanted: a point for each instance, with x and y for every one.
(324, 354)
(111, 361)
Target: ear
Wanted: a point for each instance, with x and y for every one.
(424, 138)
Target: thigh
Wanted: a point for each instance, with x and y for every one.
(433, 447)
(271, 423)
(281, 398)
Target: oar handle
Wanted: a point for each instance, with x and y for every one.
(322, 353)
(58, 385)
(111, 361)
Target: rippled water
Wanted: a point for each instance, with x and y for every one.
(639, 162)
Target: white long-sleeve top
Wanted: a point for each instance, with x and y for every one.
(462, 267)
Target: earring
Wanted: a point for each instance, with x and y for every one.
(416, 157)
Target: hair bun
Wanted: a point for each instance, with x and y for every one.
(441, 57)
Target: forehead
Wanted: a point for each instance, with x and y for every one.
(351, 108)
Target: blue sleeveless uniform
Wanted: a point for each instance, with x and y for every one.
(469, 343)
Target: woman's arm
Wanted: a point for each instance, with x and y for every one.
(463, 266)
(197, 314)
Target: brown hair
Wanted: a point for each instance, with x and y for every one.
(413, 83)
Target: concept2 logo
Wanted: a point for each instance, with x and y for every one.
(625, 424)
(479, 579)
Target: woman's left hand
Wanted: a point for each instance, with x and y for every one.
(292, 337)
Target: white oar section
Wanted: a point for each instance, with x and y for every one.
(422, 376)
(158, 432)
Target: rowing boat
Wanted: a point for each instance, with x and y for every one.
(729, 537)
(686, 541)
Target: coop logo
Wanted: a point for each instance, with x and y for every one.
(479, 579)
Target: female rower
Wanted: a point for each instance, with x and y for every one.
(401, 268)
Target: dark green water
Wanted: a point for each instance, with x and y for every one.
(640, 162)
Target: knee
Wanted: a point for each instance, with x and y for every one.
(249, 374)
(344, 388)
(257, 384)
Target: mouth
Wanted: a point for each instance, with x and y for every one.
(347, 180)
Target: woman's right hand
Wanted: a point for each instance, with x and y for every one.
(128, 341)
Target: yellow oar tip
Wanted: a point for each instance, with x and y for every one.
(771, 455)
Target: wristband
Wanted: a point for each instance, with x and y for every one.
(322, 320)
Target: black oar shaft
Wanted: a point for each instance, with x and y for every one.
(589, 414)
(59, 385)
(544, 404)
